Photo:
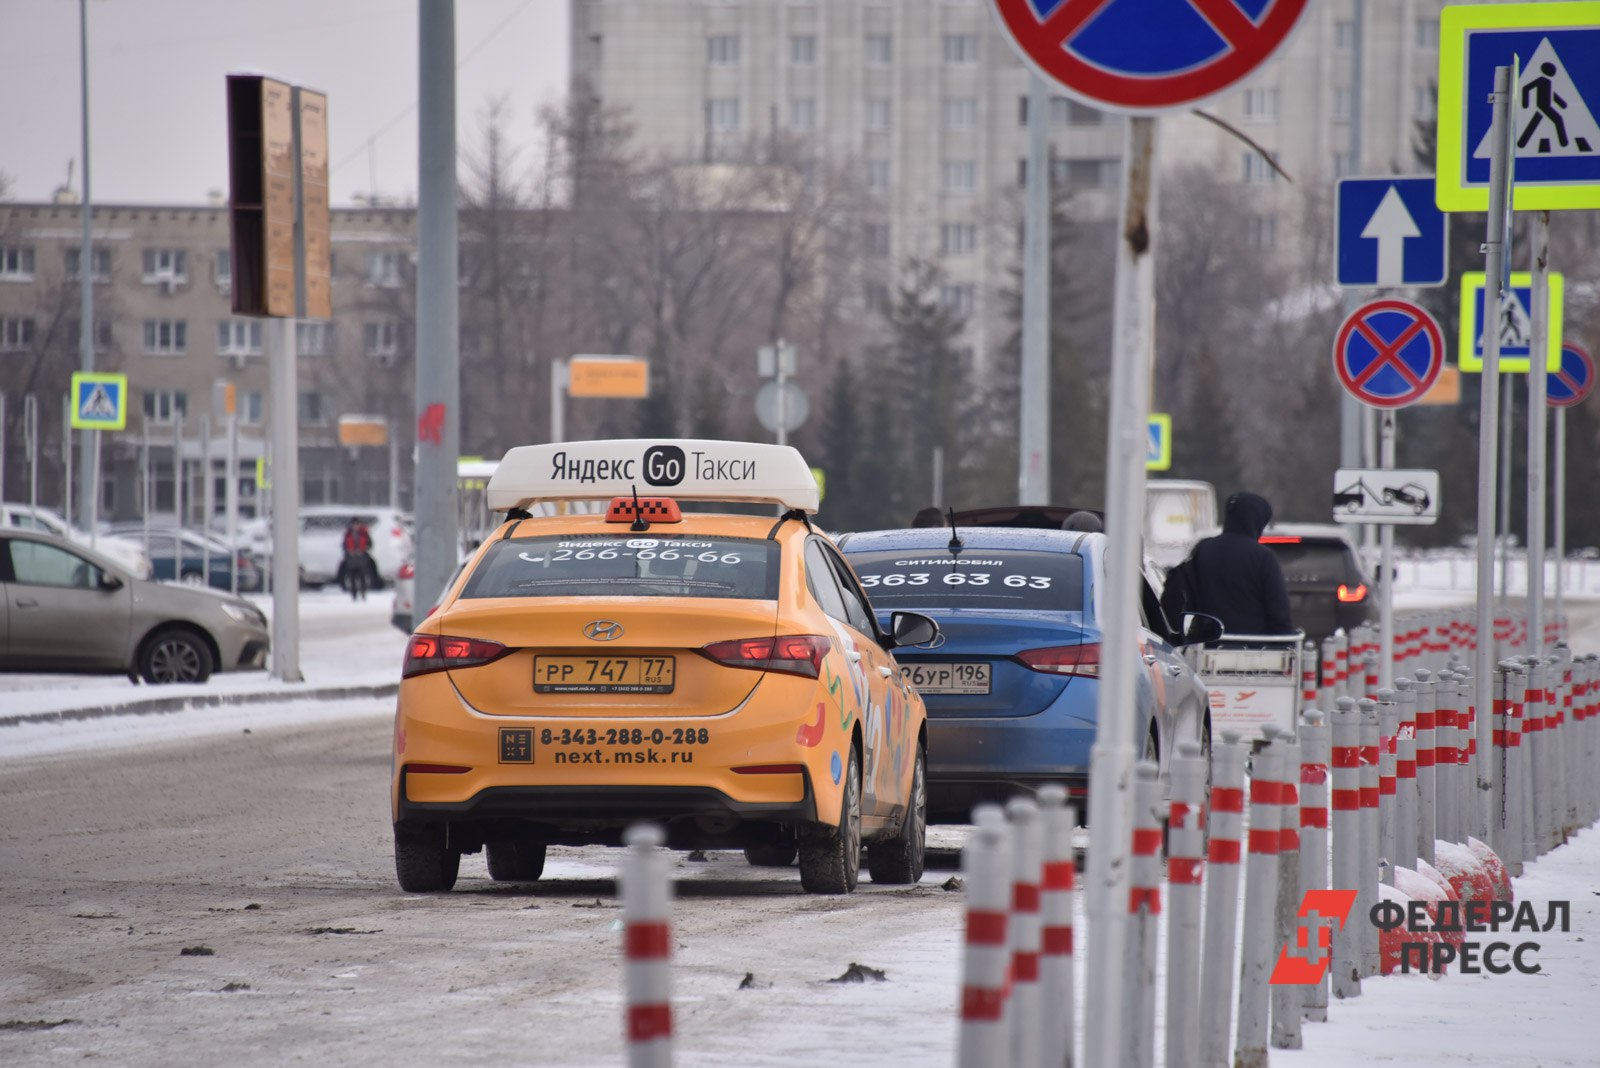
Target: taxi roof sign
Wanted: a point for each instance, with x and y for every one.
(684, 469)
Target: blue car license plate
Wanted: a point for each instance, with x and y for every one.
(948, 678)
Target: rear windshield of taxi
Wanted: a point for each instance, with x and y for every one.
(972, 578)
(628, 565)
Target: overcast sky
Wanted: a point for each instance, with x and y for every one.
(158, 122)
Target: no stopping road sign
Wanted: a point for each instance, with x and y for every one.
(1388, 352)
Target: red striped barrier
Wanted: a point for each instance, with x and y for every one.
(647, 947)
(984, 1038)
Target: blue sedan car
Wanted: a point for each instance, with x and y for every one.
(1012, 684)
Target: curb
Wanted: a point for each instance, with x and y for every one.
(163, 705)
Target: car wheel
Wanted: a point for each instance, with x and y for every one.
(515, 862)
(778, 854)
(193, 578)
(900, 859)
(423, 862)
(174, 655)
(830, 857)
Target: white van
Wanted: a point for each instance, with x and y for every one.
(1177, 514)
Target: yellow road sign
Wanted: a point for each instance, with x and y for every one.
(1514, 322)
(608, 376)
(1158, 443)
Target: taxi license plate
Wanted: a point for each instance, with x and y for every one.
(603, 674)
(948, 678)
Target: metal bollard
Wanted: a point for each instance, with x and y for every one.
(1256, 949)
(1562, 706)
(1341, 662)
(1503, 809)
(1330, 671)
(1287, 1000)
(1027, 848)
(1517, 749)
(1346, 841)
(1144, 906)
(1185, 863)
(647, 946)
(1370, 663)
(1221, 899)
(985, 1039)
(1308, 676)
(1057, 895)
(1405, 777)
(1475, 818)
(1388, 822)
(1552, 747)
(1427, 813)
(1314, 832)
(1367, 891)
(1534, 741)
(1444, 743)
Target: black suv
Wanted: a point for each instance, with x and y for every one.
(1327, 588)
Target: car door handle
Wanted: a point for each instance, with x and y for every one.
(1149, 658)
(887, 673)
(855, 657)
(27, 602)
(1174, 670)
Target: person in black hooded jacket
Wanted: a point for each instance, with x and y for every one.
(1236, 578)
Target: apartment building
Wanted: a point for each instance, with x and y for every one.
(928, 99)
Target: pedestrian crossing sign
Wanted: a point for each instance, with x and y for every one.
(1555, 50)
(99, 401)
(1158, 443)
(1514, 322)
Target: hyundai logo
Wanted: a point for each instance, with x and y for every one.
(602, 630)
(937, 643)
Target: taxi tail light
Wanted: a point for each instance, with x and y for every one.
(1352, 594)
(791, 654)
(648, 509)
(428, 652)
(1082, 659)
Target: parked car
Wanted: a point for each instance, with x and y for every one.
(130, 554)
(1012, 688)
(188, 562)
(1327, 587)
(1177, 514)
(68, 608)
(322, 540)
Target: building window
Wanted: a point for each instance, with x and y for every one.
(878, 175)
(16, 334)
(957, 299)
(722, 50)
(722, 114)
(1086, 173)
(1344, 164)
(1343, 103)
(958, 238)
(382, 339)
(313, 338)
(383, 268)
(166, 337)
(959, 176)
(165, 406)
(313, 408)
(1428, 34)
(1344, 35)
(802, 49)
(875, 235)
(960, 48)
(222, 272)
(1065, 111)
(960, 112)
(1257, 171)
(879, 50)
(16, 263)
(239, 337)
(252, 407)
(875, 117)
(165, 265)
(99, 256)
(875, 295)
(1262, 232)
(102, 334)
(1422, 100)
(803, 113)
(1261, 104)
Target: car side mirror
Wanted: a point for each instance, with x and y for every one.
(911, 628)
(1200, 629)
(109, 582)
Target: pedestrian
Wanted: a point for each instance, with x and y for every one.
(357, 566)
(1232, 576)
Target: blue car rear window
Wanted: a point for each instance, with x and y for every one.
(972, 578)
(628, 565)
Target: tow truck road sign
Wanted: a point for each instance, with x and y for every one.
(1378, 495)
(1388, 353)
(1556, 47)
(1574, 381)
(1515, 323)
(99, 401)
(1147, 56)
(1158, 443)
(1390, 233)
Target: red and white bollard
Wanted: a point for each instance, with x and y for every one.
(1308, 676)
(1446, 695)
(1287, 1000)
(1057, 895)
(1405, 778)
(1388, 800)
(1185, 865)
(1369, 663)
(1221, 899)
(1367, 891)
(1427, 812)
(1144, 908)
(1330, 671)
(984, 1038)
(1257, 952)
(1027, 849)
(1346, 842)
(1314, 831)
(647, 946)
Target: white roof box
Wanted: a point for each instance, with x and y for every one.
(684, 469)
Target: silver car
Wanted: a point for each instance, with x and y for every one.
(66, 608)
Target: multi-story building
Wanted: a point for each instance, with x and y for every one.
(928, 99)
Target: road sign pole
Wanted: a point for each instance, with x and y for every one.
(89, 496)
(1508, 418)
(1117, 735)
(1488, 408)
(1033, 459)
(1386, 435)
(30, 445)
(207, 496)
(67, 484)
(558, 400)
(1538, 442)
(782, 379)
(285, 493)
(1558, 511)
(230, 499)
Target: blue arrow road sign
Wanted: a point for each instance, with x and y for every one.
(1390, 233)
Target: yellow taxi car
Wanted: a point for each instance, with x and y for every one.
(721, 674)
